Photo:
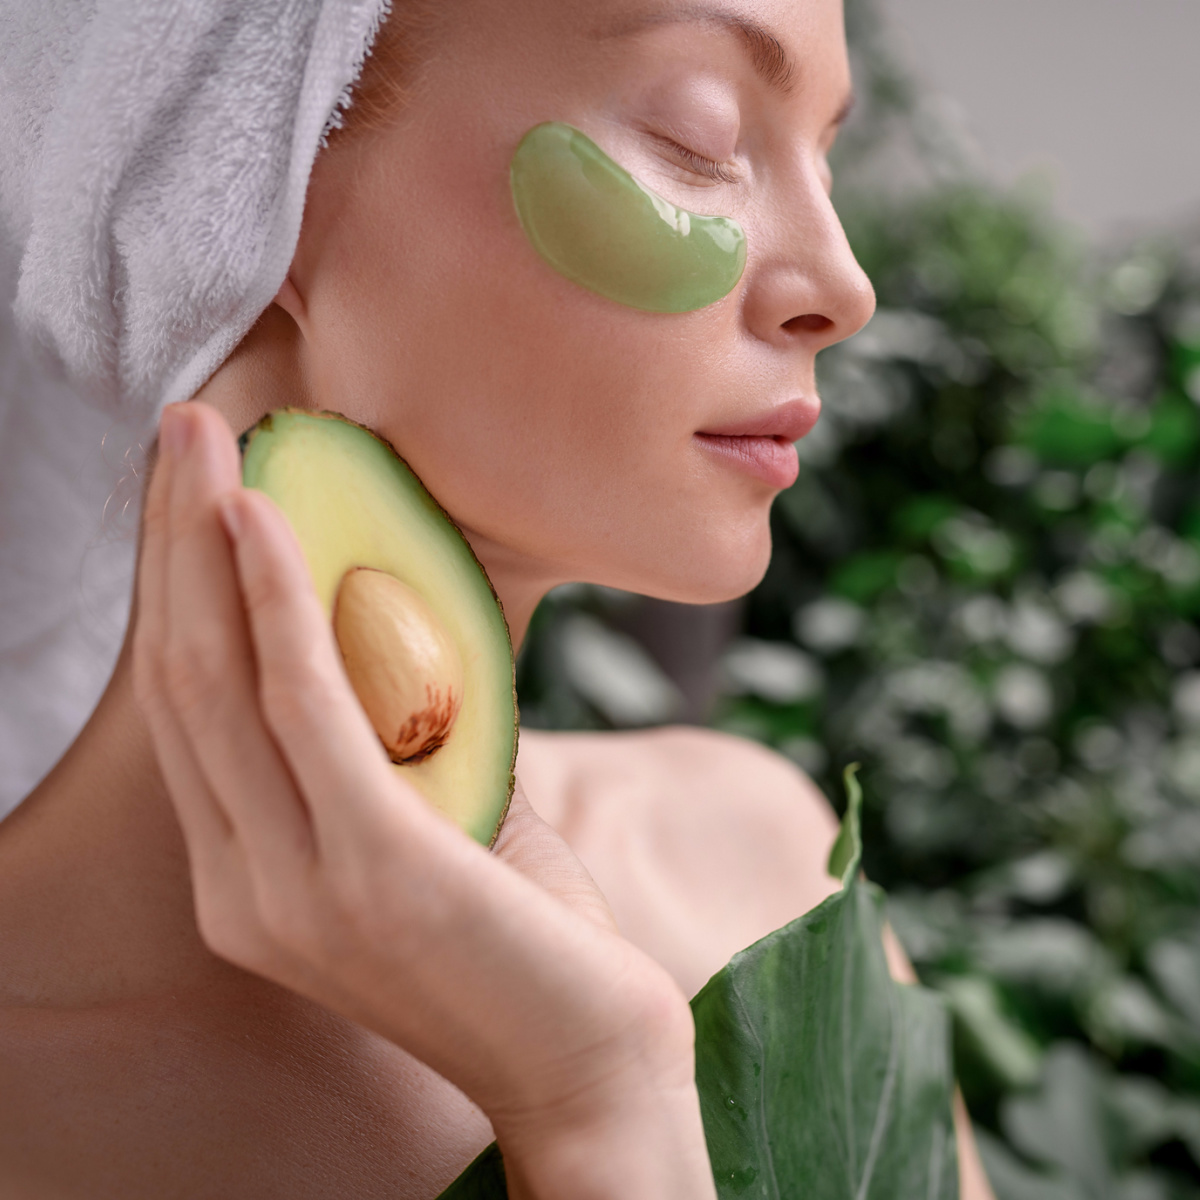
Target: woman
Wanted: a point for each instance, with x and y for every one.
(370, 997)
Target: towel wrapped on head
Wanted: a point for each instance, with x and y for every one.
(154, 158)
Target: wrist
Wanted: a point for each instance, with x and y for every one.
(634, 1143)
(623, 1124)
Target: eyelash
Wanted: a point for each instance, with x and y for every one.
(716, 171)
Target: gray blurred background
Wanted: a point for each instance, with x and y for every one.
(1101, 97)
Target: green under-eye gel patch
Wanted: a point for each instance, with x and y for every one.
(597, 225)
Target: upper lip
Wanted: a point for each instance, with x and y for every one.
(788, 421)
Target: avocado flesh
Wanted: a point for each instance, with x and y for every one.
(353, 502)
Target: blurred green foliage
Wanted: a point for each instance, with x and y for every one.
(985, 587)
(992, 560)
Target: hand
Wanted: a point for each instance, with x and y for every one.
(314, 863)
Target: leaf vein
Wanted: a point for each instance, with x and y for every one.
(883, 1112)
(752, 1029)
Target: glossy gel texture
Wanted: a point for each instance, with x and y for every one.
(601, 228)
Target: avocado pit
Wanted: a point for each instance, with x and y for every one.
(402, 663)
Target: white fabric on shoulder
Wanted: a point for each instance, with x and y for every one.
(154, 158)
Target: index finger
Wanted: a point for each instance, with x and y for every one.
(210, 660)
(307, 702)
(206, 828)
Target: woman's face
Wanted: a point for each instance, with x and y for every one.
(562, 430)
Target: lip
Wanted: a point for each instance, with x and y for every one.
(761, 444)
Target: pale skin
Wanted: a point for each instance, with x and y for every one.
(241, 958)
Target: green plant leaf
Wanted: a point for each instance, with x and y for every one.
(1012, 1179)
(819, 1076)
(988, 1033)
(1065, 1125)
(846, 854)
(482, 1180)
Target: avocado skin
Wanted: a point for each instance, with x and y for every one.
(498, 706)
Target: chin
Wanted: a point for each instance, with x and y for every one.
(710, 575)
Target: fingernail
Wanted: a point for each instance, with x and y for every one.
(227, 510)
(174, 431)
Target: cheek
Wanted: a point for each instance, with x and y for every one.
(543, 417)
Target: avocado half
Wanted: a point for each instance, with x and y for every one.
(354, 502)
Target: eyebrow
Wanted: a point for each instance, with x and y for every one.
(767, 55)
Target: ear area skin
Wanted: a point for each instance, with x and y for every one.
(270, 368)
(291, 301)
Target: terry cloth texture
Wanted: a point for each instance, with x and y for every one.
(154, 157)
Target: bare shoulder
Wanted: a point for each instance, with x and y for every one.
(702, 841)
(738, 780)
(694, 774)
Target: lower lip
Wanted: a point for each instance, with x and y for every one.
(771, 460)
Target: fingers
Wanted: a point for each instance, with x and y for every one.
(307, 701)
(205, 827)
(207, 658)
(220, 880)
(426, 937)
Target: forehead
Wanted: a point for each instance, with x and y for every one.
(793, 46)
(776, 37)
(551, 59)
(785, 38)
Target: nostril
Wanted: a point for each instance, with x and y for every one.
(808, 323)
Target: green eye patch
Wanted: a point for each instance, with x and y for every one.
(601, 228)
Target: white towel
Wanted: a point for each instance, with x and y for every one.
(154, 157)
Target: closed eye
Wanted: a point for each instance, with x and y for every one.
(719, 172)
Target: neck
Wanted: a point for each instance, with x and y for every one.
(267, 371)
(519, 589)
(95, 892)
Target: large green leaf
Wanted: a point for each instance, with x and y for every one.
(482, 1180)
(820, 1078)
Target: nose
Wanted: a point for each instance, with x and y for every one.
(804, 286)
